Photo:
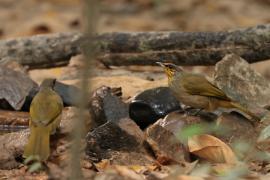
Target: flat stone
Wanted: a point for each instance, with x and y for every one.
(15, 86)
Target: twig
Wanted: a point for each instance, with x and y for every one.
(89, 50)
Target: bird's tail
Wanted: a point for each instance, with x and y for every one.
(245, 110)
(38, 143)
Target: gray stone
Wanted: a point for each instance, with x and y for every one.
(241, 83)
(106, 106)
(15, 86)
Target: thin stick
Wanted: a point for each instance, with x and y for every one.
(89, 51)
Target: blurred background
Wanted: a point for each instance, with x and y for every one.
(30, 17)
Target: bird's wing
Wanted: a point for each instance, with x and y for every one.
(195, 84)
(45, 108)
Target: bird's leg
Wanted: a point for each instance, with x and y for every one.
(195, 112)
(184, 107)
(190, 110)
(198, 111)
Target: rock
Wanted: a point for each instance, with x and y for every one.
(175, 121)
(167, 137)
(150, 105)
(241, 83)
(237, 132)
(15, 66)
(69, 115)
(233, 127)
(105, 106)
(263, 140)
(167, 148)
(162, 137)
(68, 93)
(15, 86)
(121, 141)
(29, 98)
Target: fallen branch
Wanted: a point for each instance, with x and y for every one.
(144, 48)
(11, 121)
(15, 118)
(41, 51)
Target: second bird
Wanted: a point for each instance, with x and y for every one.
(45, 115)
(196, 91)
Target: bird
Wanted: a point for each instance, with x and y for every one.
(196, 91)
(45, 116)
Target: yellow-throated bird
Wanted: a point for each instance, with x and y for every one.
(196, 91)
(45, 116)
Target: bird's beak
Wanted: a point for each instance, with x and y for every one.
(161, 64)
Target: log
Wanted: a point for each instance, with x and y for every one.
(141, 48)
(41, 51)
(11, 121)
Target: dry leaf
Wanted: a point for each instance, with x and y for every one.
(211, 148)
(127, 172)
(103, 164)
(184, 177)
(140, 169)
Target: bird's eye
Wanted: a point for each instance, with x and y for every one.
(170, 66)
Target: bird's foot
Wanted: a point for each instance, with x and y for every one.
(192, 111)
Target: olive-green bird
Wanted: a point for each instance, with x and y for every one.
(196, 91)
(45, 116)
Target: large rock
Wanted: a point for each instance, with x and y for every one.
(241, 83)
(152, 104)
(15, 86)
